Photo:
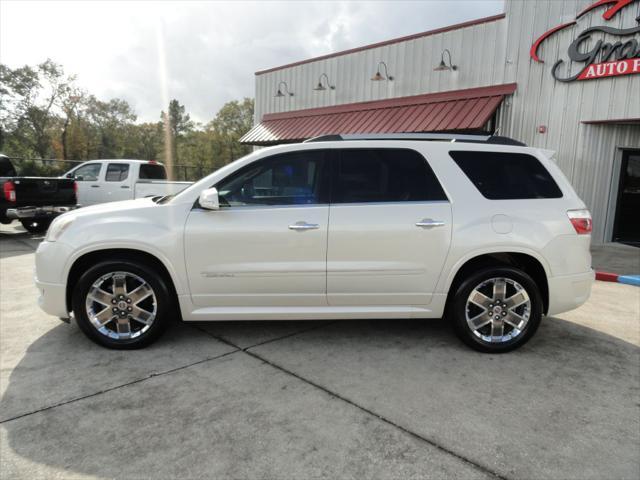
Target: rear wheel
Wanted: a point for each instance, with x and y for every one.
(122, 304)
(36, 225)
(497, 309)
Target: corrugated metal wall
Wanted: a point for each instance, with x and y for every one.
(585, 153)
(411, 63)
(493, 53)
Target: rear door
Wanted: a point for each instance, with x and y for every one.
(389, 228)
(117, 183)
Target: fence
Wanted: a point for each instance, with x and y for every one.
(54, 167)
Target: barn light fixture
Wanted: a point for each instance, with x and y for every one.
(378, 77)
(320, 86)
(443, 65)
(286, 90)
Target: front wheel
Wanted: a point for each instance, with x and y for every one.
(122, 304)
(497, 309)
(36, 225)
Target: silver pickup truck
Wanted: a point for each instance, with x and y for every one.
(101, 181)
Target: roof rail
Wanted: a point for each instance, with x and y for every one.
(450, 137)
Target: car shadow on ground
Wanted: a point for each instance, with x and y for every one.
(15, 241)
(568, 381)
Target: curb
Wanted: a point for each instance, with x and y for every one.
(614, 277)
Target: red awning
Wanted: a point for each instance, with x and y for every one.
(469, 109)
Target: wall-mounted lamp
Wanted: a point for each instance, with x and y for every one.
(443, 65)
(378, 77)
(286, 90)
(320, 86)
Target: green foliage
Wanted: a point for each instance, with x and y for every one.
(44, 115)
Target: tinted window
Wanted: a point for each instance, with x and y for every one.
(297, 178)
(384, 175)
(87, 173)
(117, 172)
(507, 176)
(150, 171)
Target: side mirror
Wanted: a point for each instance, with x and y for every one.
(80, 178)
(69, 175)
(209, 199)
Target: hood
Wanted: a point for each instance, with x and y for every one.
(113, 207)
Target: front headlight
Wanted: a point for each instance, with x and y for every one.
(58, 226)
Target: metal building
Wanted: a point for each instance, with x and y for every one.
(556, 74)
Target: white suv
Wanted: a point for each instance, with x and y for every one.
(481, 230)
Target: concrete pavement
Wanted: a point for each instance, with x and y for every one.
(365, 399)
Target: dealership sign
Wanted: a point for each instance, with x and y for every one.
(598, 59)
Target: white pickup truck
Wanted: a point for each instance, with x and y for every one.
(101, 181)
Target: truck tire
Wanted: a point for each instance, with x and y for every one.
(122, 304)
(34, 225)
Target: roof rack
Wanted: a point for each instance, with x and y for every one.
(449, 137)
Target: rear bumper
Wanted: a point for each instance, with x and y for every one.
(52, 298)
(38, 212)
(567, 292)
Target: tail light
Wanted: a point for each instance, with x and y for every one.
(581, 221)
(9, 191)
(75, 188)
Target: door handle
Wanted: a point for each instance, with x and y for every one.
(428, 223)
(95, 186)
(124, 186)
(304, 226)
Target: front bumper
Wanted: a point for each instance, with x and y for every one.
(50, 277)
(567, 292)
(38, 212)
(52, 299)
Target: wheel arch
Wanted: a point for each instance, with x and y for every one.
(89, 259)
(525, 261)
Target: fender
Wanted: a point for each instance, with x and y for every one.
(138, 246)
(445, 284)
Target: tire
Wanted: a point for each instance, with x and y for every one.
(517, 322)
(152, 305)
(36, 225)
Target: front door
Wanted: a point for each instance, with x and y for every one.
(267, 244)
(626, 226)
(389, 231)
(87, 180)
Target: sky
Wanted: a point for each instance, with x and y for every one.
(203, 53)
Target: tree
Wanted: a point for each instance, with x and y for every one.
(231, 122)
(30, 99)
(177, 124)
(110, 122)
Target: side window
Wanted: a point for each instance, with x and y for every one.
(152, 171)
(507, 176)
(384, 175)
(297, 178)
(87, 173)
(117, 172)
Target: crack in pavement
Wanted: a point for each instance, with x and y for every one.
(116, 387)
(422, 438)
(158, 374)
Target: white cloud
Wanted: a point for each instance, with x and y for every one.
(212, 48)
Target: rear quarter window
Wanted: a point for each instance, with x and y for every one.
(150, 171)
(507, 176)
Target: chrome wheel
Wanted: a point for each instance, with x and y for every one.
(498, 310)
(121, 305)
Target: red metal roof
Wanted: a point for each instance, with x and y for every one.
(468, 109)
